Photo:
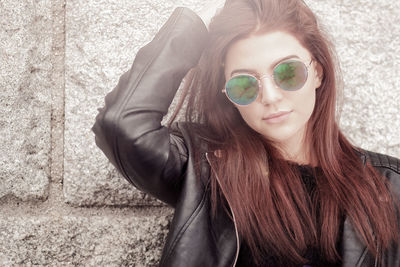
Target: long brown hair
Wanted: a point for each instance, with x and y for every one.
(265, 192)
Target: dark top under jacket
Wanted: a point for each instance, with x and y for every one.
(245, 258)
(159, 160)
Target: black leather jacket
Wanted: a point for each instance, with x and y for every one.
(158, 160)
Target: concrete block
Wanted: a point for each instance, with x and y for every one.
(25, 103)
(102, 38)
(81, 241)
(367, 43)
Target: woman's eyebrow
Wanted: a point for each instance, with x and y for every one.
(255, 73)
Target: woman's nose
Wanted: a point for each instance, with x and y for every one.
(270, 92)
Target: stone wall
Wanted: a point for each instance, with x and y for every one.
(61, 201)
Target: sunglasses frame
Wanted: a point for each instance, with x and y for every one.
(270, 76)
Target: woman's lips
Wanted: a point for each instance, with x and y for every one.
(277, 117)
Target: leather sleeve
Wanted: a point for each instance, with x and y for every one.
(128, 128)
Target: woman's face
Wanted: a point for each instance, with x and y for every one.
(280, 116)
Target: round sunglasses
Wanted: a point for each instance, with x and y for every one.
(243, 89)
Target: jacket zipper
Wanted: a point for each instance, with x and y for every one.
(378, 249)
(233, 216)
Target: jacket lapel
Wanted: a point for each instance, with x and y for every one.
(354, 253)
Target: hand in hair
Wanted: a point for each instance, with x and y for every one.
(210, 10)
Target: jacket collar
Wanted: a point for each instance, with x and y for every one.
(354, 253)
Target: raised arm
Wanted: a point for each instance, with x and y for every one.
(128, 128)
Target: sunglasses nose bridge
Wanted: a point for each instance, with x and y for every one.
(261, 82)
(269, 91)
(265, 76)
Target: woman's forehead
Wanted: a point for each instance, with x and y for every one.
(264, 51)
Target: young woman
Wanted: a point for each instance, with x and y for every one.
(259, 174)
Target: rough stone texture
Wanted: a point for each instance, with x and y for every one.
(25, 84)
(57, 92)
(81, 241)
(101, 42)
(367, 40)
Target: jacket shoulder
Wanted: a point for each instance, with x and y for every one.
(379, 160)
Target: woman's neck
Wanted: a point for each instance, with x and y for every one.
(299, 151)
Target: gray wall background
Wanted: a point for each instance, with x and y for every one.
(61, 202)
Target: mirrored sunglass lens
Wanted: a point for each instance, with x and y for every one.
(290, 75)
(242, 89)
